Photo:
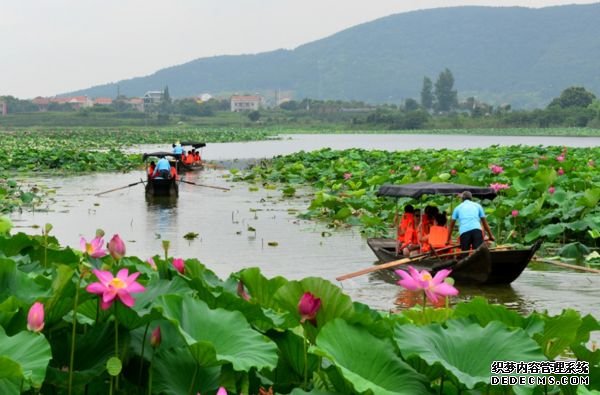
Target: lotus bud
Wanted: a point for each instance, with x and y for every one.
(241, 291)
(155, 337)
(222, 391)
(515, 213)
(551, 190)
(308, 307)
(151, 263)
(35, 317)
(179, 265)
(116, 247)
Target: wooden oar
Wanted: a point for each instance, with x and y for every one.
(203, 185)
(391, 264)
(116, 189)
(567, 265)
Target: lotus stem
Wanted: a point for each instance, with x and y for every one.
(150, 374)
(116, 344)
(304, 341)
(142, 356)
(191, 390)
(73, 331)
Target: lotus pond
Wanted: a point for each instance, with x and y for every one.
(212, 307)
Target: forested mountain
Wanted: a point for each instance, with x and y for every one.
(511, 55)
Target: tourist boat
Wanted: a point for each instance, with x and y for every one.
(482, 266)
(159, 186)
(196, 165)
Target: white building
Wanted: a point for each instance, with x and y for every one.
(245, 103)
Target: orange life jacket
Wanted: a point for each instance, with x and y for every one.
(438, 236)
(173, 172)
(407, 233)
(151, 171)
(197, 157)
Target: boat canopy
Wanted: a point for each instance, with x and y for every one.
(434, 188)
(159, 154)
(195, 145)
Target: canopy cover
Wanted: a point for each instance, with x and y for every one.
(162, 153)
(195, 145)
(434, 188)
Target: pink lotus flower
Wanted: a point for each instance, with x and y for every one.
(453, 172)
(116, 247)
(222, 391)
(35, 317)
(155, 337)
(179, 265)
(308, 307)
(498, 187)
(515, 213)
(242, 291)
(151, 263)
(551, 190)
(432, 286)
(560, 171)
(497, 169)
(347, 176)
(121, 286)
(417, 168)
(95, 248)
(560, 158)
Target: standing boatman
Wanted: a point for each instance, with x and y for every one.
(470, 217)
(163, 168)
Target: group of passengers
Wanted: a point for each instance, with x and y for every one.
(190, 157)
(420, 233)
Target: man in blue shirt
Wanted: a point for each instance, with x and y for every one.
(470, 217)
(177, 148)
(163, 168)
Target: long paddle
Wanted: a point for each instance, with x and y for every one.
(202, 185)
(390, 264)
(116, 189)
(567, 265)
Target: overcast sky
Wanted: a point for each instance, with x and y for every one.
(55, 46)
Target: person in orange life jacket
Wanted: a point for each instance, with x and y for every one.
(197, 157)
(411, 238)
(427, 220)
(438, 234)
(151, 168)
(404, 224)
(173, 172)
(470, 217)
(163, 168)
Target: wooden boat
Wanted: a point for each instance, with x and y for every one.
(185, 167)
(482, 266)
(160, 186)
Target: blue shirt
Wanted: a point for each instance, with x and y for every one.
(468, 214)
(162, 164)
(178, 149)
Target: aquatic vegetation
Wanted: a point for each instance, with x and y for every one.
(243, 334)
(550, 205)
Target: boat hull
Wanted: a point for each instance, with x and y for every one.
(162, 187)
(483, 266)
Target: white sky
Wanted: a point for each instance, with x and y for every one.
(53, 46)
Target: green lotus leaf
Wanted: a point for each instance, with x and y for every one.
(465, 349)
(334, 303)
(175, 372)
(18, 284)
(31, 351)
(227, 333)
(5, 225)
(260, 288)
(590, 198)
(11, 376)
(559, 333)
(367, 362)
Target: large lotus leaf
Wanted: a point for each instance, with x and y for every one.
(590, 198)
(31, 351)
(334, 303)
(63, 291)
(552, 230)
(176, 372)
(260, 318)
(546, 177)
(226, 332)
(298, 391)
(465, 349)
(16, 283)
(11, 376)
(575, 251)
(481, 311)
(260, 288)
(367, 362)
(559, 333)
(290, 366)
(8, 309)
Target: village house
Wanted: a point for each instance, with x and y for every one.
(153, 97)
(245, 103)
(103, 101)
(136, 103)
(3, 108)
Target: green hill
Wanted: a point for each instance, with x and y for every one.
(511, 55)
